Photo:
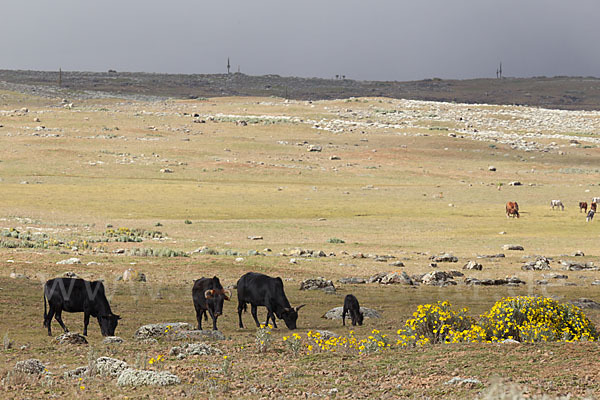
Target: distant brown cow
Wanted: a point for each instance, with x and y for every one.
(583, 206)
(512, 209)
(593, 206)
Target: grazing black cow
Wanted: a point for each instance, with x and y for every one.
(208, 294)
(352, 307)
(262, 290)
(78, 295)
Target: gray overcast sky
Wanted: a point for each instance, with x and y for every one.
(377, 39)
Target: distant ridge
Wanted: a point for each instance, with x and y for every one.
(570, 93)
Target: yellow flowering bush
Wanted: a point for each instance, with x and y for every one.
(536, 319)
(375, 342)
(434, 323)
(263, 338)
(293, 343)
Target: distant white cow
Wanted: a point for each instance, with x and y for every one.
(557, 203)
(596, 200)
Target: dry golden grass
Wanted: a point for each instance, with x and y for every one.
(389, 194)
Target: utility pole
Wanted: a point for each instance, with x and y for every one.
(59, 77)
(228, 66)
(500, 69)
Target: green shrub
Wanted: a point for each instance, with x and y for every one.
(335, 240)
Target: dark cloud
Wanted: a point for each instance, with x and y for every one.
(379, 39)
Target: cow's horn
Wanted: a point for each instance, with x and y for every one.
(299, 307)
(209, 293)
(227, 294)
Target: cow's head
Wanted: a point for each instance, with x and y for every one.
(108, 324)
(217, 296)
(290, 316)
(359, 318)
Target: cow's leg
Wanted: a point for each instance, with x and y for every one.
(253, 310)
(271, 315)
(344, 316)
(48, 320)
(58, 317)
(199, 312)
(86, 322)
(214, 318)
(240, 309)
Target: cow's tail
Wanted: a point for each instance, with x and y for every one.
(45, 310)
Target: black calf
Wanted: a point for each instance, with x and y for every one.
(351, 306)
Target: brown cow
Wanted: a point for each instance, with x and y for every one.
(512, 209)
(593, 206)
(583, 206)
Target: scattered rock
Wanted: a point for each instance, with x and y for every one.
(334, 158)
(578, 253)
(468, 382)
(325, 335)
(573, 266)
(473, 265)
(336, 313)
(166, 170)
(586, 303)
(239, 259)
(541, 282)
(438, 278)
(397, 264)
(499, 255)
(515, 183)
(71, 338)
(352, 281)
(255, 237)
(491, 168)
(15, 275)
(198, 335)
(510, 341)
(112, 340)
(444, 257)
(131, 275)
(70, 274)
(393, 278)
(596, 282)
(317, 283)
(110, 367)
(540, 264)
(34, 366)
(191, 349)
(314, 147)
(136, 377)
(161, 329)
(510, 281)
(76, 373)
(69, 261)
(515, 247)
(555, 276)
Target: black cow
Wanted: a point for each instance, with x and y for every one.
(352, 307)
(78, 295)
(262, 290)
(208, 294)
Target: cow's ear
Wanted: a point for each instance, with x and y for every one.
(209, 293)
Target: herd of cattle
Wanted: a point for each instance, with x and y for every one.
(512, 208)
(79, 295)
(208, 295)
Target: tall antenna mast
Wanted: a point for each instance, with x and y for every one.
(228, 66)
